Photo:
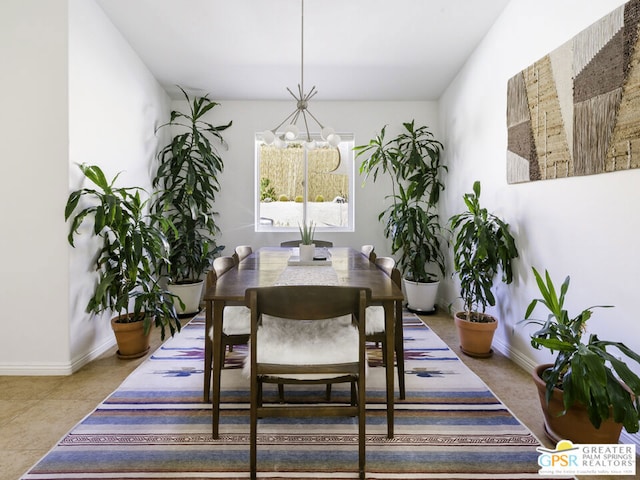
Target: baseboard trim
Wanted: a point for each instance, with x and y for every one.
(515, 356)
(31, 370)
(55, 369)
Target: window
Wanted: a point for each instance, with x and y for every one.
(296, 186)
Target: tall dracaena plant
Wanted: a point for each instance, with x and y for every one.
(483, 247)
(132, 245)
(412, 161)
(187, 183)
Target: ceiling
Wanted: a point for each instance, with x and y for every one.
(353, 49)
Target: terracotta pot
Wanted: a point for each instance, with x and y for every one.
(132, 342)
(574, 425)
(476, 337)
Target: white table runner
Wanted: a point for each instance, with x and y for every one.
(299, 275)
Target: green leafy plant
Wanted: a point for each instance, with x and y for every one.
(267, 192)
(132, 246)
(412, 161)
(187, 183)
(483, 247)
(584, 371)
(307, 232)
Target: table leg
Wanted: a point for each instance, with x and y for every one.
(389, 320)
(399, 343)
(208, 350)
(218, 308)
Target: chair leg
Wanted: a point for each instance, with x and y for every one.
(384, 354)
(223, 355)
(253, 431)
(281, 392)
(400, 365)
(362, 436)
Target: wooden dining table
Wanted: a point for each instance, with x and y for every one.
(265, 267)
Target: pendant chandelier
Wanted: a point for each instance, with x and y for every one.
(291, 131)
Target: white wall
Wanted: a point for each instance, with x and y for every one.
(99, 104)
(78, 93)
(33, 185)
(115, 106)
(363, 119)
(585, 227)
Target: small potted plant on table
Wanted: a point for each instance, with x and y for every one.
(483, 247)
(588, 394)
(307, 247)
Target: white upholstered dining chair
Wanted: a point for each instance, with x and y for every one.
(236, 320)
(325, 350)
(375, 330)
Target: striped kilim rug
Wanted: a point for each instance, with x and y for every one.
(155, 425)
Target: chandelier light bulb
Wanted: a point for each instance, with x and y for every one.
(311, 145)
(326, 131)
(291, 132)
(334, 139)
(268, 137)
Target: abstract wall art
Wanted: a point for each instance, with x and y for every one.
(576, 111)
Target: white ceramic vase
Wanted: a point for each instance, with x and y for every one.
(190, 294)
(307, 252)
(421, 297)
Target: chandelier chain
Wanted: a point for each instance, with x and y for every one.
(302, 103)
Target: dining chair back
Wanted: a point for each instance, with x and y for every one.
(317, 243)
(242, 252)
(303, 334)
(221, 265)
(386, 264)
(369, 252)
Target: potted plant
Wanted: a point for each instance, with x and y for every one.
(412, 162)
(307, 247)
(588, 394)
(187, 182)
(483, 247)
(132, 246)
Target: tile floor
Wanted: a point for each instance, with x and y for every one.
(35, 412)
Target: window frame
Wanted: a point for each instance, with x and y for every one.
(347, 159)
